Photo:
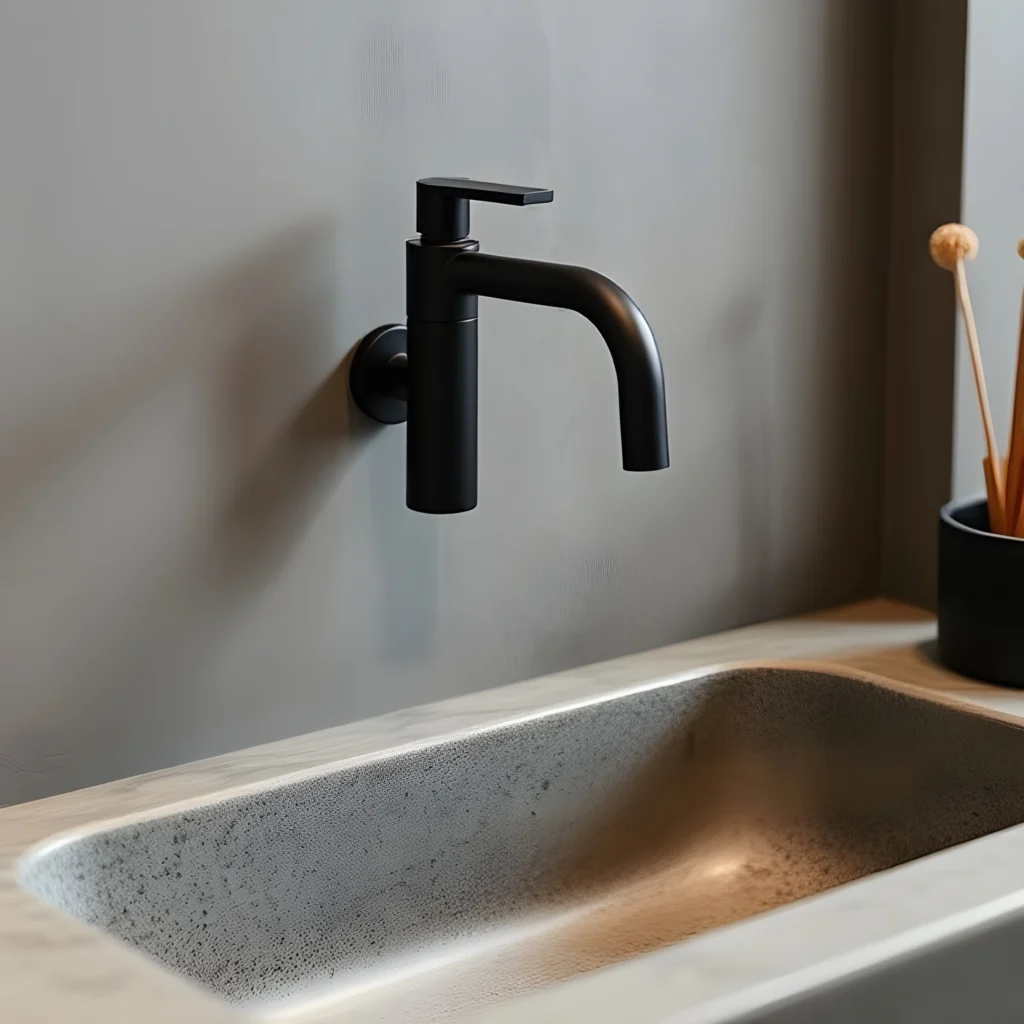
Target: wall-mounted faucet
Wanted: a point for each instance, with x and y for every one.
(426, 372)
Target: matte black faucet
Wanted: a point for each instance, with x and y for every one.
(427, 370)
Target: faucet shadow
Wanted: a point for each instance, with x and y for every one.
(276, 499)
(171, 336)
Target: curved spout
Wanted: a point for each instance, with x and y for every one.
(629, 338)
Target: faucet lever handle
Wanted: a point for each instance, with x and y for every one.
(442, 204)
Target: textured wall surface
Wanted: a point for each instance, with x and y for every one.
(203, 208)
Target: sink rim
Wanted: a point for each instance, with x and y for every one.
(397, 751)
(42, 951)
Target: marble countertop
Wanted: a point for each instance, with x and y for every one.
(54, 968)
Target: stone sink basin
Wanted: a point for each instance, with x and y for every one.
(441, 879)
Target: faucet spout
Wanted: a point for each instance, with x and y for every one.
(627, 334)
(426, 372)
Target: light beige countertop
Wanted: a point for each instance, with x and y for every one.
(54, 968)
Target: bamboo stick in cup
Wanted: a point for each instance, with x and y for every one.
(950, 246)
(1015, 455)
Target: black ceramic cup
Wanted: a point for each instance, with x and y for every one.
(981, 596)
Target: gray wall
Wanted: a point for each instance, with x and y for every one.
(993, 204)
(203, 205)
(927, 141)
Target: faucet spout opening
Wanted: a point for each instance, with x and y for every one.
(629, 338)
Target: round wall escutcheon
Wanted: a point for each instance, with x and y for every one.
(377, 377)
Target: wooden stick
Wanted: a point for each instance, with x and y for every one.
(1015, 455)
(997, 522)
(995, 484)
(1018, 526)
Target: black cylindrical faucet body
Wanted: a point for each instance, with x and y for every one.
(441, 341)
(440, 447)
(445, 274)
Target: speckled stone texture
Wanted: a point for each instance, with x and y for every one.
(523, 854)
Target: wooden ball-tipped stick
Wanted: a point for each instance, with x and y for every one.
(951, 245)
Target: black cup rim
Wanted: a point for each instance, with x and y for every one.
(948, 516)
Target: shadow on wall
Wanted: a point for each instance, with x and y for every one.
(267, 318)
(809, 530)
(277, 497)
(741, 344)
(842, 559)
(255, 346)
